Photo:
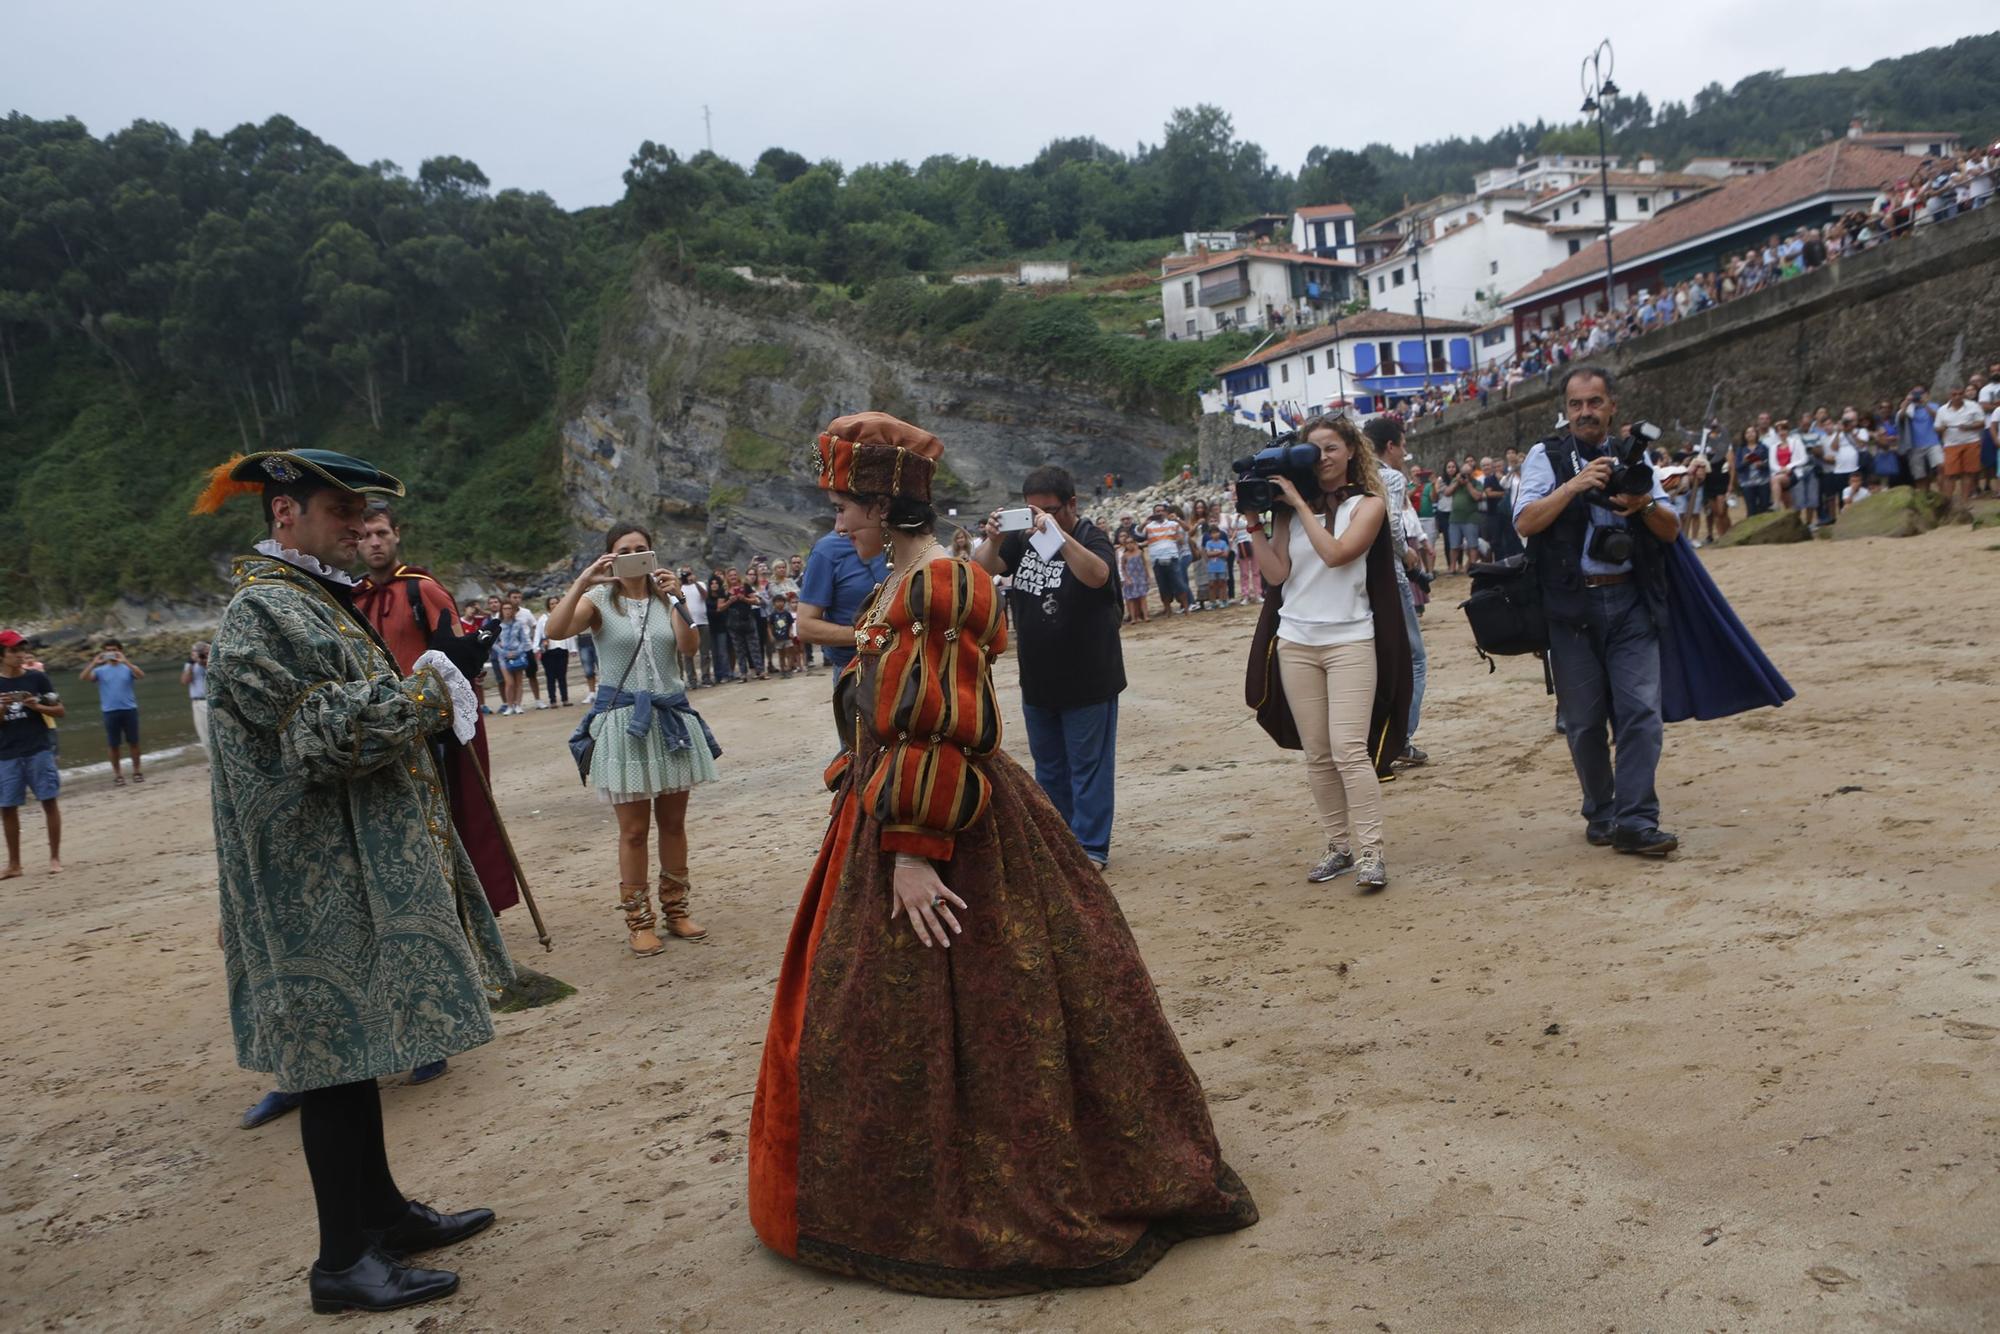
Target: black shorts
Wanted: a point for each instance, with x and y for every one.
(1715, 485)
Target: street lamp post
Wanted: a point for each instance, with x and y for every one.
(1598, 90)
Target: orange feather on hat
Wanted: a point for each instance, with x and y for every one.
(222, 488)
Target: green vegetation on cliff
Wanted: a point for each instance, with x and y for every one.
(167, 299)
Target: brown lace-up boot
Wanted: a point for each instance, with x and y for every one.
(639, 920)
(674, 907)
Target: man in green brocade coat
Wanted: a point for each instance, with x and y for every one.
(355, 935)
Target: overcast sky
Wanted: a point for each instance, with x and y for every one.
(556, 94)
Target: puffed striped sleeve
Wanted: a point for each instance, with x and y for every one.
(934, 708)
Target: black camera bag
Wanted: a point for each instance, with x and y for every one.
(1505, 609)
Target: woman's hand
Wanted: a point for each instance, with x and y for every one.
(916, 892)
(597, 572)
(667, 582)
(1290, 493)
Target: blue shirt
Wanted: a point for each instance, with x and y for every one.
(114, 687)
(1923, 426)
(1538, 480)
(838, 581)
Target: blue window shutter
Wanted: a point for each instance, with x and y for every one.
(1410, 356)
(1461, 354)
(1364, 358)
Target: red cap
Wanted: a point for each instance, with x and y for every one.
(9, 638)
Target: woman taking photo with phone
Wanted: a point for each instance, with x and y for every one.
(969, 1087)
(642, 745)
(1318, 553)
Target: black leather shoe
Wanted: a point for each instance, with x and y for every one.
(422, 1228)
(376, 1282)
(1644, 842)
(1597, 835)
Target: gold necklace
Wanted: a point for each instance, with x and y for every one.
(879, 613)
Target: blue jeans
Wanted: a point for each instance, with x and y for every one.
(1420, 661)
(1076, 757)
(1608, 670)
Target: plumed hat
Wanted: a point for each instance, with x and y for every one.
(249, 474)
(874, 454)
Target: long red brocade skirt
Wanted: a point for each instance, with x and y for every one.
(1008, 1115)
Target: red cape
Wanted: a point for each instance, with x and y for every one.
(387, 607)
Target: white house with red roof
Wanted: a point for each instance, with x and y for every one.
(1366, 362)
(1471, 256)
(1260, 288)
(1910, 143)
(1634, 197)
(1326, 230)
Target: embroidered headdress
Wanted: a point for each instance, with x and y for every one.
(874, 454)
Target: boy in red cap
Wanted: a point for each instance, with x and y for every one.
(27, 749)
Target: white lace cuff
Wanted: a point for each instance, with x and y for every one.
(464, 703)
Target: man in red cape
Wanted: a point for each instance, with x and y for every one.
(394, 597)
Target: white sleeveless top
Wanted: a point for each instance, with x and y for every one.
(1325, 604)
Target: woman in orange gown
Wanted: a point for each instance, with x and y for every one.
(968, 1086)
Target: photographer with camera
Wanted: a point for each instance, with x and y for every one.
(1598, 527)
(1386, 434)
(114, 674)
(1065, 597)
(1329, 571)
(194, 675)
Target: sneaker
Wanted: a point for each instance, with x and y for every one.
(1369, 872)
(541, 704)
(1597, 835)
(1336, 861)
(1413, 755)
(1644, 842)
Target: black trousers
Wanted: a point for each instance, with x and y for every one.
(340, 1129)
(746, 646)
(556, 661)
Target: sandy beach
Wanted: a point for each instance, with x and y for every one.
(1533, 1086)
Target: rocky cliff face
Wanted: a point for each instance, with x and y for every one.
(699, 417)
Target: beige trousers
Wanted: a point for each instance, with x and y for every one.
(1331, 692)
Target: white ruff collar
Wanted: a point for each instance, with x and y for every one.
(310, 564)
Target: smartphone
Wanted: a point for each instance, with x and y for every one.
(1016, 520)
(634, 564)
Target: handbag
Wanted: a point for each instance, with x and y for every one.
(1505, 609)
(582, 745)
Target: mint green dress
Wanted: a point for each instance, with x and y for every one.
(624, 767)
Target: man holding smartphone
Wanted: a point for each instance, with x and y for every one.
(114, 676)
(27, 750)
(1067, 611)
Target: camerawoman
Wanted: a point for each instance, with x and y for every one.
(1599, 528)
(1341, 651)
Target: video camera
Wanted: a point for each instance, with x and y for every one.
(1287, 457)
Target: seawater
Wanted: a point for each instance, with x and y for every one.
(166, 724)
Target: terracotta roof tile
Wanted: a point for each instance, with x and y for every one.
(1325, 211)
(1838, 167)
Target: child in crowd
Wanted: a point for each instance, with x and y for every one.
(1216, 548)
(784, 632)
(799, 648)
(1132, 578)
